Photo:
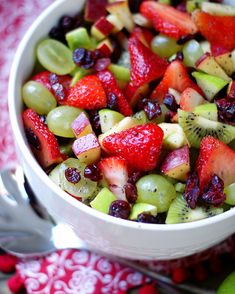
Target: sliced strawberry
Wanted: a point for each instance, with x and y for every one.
(134, 93)
(110, 86)
(189, 99)
(114, 170)
(43, 143)
(143, 35)
(59, 86)
(140, 146)
(87, 93)
(216, 29)
(168, 20)
(175, 77)
(146, 66)
(215, 157)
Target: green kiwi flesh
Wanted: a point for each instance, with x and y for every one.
(179, 212)
(197, 127)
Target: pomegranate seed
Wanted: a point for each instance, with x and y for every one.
(120, 209)
(72, 175)
(131, 193)
(95, 121)
(92, 172)
(134, 177)
(112, 101)
(152, 109)
(192, 190)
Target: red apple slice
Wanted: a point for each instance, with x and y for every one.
(177, 164)
(87, 149)
(101, 29)
(81, 126)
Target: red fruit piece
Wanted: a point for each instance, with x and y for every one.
(110, 86)
(216, 29)
(168, 20)
(140, 146)
(134, 93)
(189, 99)
(146, 66)
(43, 143)
(95, 9)
(175, 77)
(87, 93)
(215, 157)
(143, 35)
(59, 86)
(114, 170)
(217, 50)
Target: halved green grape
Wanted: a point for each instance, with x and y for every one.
(230, 194)
(192, 52)
(67, 148)
(38, 97)
(156, 190)
(55, 57)
(165, 46)
(84, 188)
(59, 120)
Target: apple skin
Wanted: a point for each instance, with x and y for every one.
(105, 47)
(81, 126)
(226, 62)
(208, 64)
(87, 149)
(177, 164)
(95, 9)
(122, 11)
(102, 28)
(231, 90)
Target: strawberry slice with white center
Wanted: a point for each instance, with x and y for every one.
(168, 20)
(114, 170)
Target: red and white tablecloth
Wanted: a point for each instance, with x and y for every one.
(67, 271)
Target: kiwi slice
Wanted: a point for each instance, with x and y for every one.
(228, 285)
(208, 110)
(179, 212)
(197, 127)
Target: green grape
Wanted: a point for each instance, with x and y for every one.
(192, 52)
(84, 188)
(164, 46)
(156, 190)
(67, 148)
(37, 97)
(59, 120)
(55, 57)
(230, 194)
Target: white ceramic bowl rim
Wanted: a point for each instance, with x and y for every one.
(20, 141)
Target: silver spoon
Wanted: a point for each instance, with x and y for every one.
(26, 233)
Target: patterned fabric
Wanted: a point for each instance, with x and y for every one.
(67, 271)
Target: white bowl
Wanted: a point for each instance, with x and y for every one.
(102, 232)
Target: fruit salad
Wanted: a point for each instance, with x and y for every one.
(130, 108)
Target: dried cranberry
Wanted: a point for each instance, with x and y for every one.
(214, 192)
(134, 177)
(95, 121)
(57, 87)
(85, 58)
(152, 109)
(33, 139)
(102, 64)
(57, 34)
(192, 190)
(146, 218)
(226, 110)
(72, 175)
(182, 40)
(170, 102)
(169, 115)
(92, 172)
(43, 119)
(117, 50)
(120, 209)
(112, 101)
(180, 56)
(66, 23)
(131, 193)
